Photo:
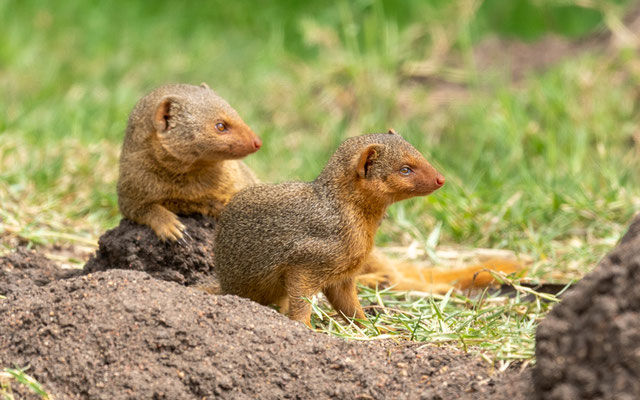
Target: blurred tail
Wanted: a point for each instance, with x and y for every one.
(381, 271)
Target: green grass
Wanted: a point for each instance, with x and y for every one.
(18, 375)
(548, 168)
(499, 328)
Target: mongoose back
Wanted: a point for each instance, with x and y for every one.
(281, 243)
(181, 155)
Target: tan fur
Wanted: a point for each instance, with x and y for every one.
(380, 271)
(277, 244)
(176, 161)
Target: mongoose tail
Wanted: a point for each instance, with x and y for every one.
(380, 271)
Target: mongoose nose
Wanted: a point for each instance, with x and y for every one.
(257, 143)
(440, 180)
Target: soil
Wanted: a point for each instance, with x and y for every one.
(136, 247)
(588, 347)
(121, 334)
(24, 268)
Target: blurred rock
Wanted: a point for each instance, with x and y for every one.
(588, 347)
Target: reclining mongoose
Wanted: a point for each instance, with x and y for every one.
(181, 155)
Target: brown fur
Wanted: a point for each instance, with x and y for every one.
(282, 243)
(176, 160)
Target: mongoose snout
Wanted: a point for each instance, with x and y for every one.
(240, 139)
(428, 179)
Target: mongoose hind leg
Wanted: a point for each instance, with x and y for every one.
(297, 287)
(300, 310)
(344, 299)
(163, 222)
(283, 305)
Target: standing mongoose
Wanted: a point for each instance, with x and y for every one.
(282, 243)
(181, 155)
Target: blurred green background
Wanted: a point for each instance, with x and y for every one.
(528, 107)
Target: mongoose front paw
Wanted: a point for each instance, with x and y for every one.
(169, 230)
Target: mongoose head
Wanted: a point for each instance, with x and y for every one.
(385, 167)
(190, 124)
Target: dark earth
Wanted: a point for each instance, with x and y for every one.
(135, 247)
(24, 268)
(588, 347)
(123, 334)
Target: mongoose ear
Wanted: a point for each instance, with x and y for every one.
(166, 111)
(392, 131)
(205, 86)
(366, 158)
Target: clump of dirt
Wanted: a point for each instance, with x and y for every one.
(122, 334)
(136, 247)
(588, 347)
(24, 268)
(633, 232)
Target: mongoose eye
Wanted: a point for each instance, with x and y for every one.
(405, 171)
(221, 127)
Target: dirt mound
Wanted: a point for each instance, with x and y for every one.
(588, 347)
(24, 268)
(122, 334)
(136, 247)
